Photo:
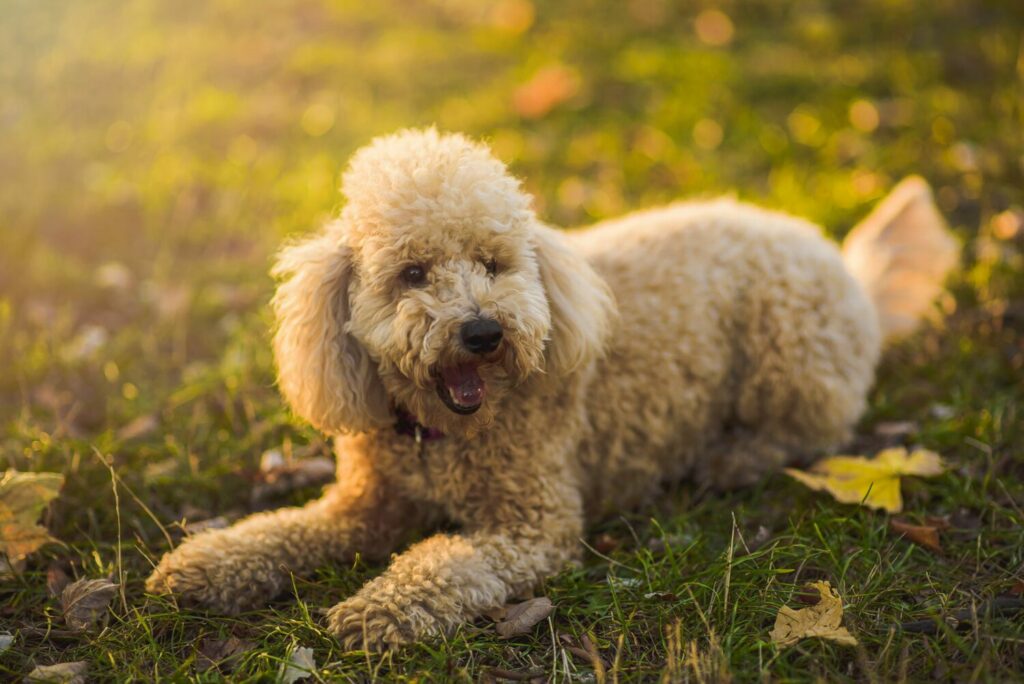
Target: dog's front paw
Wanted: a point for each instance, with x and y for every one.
(210, 572)
(361, 624)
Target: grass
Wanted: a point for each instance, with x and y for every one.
(154, 154)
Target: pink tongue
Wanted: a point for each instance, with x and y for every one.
(464, 384)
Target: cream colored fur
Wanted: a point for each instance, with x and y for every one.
(711, 340)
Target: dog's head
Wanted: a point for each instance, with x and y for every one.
(436, 291)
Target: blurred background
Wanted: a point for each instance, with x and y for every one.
(154, 154)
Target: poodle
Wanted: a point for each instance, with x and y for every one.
(479, 368)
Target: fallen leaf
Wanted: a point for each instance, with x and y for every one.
(23, 498)
(496, 614)
(1017, 589)
(874, 483)
(6, 639)
(84, 602)
(300, 665)
(221, 654)
(64, 673)
(523, 616)
(56, 578)
(606, 543)
(922, 535)
(820, 621)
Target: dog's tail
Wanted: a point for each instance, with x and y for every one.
(901, 254)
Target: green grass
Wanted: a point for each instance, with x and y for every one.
(154, 154)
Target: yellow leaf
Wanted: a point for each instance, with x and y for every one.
(874, 483)
(23, 497)
(821, 621)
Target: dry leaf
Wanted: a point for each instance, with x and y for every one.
(300, 665)
(821, 621)
(874, 483)
(64, 673)
(523, 616)
(84, 602)
(56, 578)
(496, 614)
(606, 543)
(922, 535)
(221, 654)
(23, 498)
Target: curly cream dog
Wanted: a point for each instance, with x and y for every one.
(479, 367)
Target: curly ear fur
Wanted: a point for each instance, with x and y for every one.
(582, 305)
(324, 373)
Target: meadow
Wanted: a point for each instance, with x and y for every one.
(153, 156)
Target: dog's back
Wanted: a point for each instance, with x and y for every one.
(744, 342)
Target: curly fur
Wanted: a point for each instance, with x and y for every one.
(708, 340)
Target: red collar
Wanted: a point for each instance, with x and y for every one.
(407, 425)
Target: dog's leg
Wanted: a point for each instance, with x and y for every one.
(236, 568)
(450, 579)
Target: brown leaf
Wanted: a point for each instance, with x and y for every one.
(922, 535)
(1017, 589)
(56, 578)
(606, 543)
(222, 654)
(822, 621)
(496, 614)
(523, 616)
(939, 522)
(64, 673)
(84, 602)
(23, 498)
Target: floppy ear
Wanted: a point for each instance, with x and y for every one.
(324, 373)
(582, 306)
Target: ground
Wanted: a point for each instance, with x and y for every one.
(155, 153)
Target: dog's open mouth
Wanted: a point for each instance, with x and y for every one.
(461, 388)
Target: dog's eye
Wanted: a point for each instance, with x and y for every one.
(492, 267)
(414, 275)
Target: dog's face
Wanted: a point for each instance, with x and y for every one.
(436, 292)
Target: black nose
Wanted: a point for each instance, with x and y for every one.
(481, 335)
